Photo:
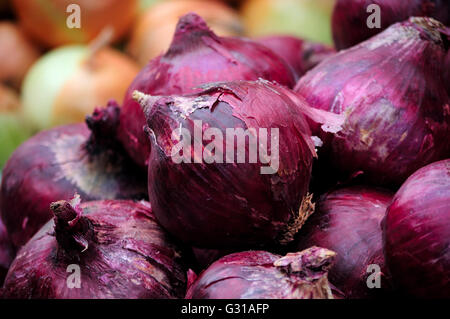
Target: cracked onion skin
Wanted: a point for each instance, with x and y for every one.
(348, 221)
(55, 164)
(263, 275)
(196, 56)
(416, 233)
(225, 205)
(120, 249)
(349, 21)
(397, 108)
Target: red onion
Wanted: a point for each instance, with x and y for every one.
(116, 245)
(196, 56)
(299, 54)
(6, 252)
(347, 221)
(391, 90)
(262, 275)
(350, 17)
(55, 164)
(416, 234)
(234, 202)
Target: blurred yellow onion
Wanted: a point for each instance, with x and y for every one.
(67, 83)
(154, 30)
(308, 19)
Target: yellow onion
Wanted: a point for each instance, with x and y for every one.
(154, 30)
(17, 54)
(309, 19)
(66, 84)
(46, 20)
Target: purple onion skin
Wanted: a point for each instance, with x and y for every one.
(58, 163)
(390, 88)
(119, 247)
(6, 252)
(262, 275)
(416, 233)
(299, 54)
(196, 56)
(349, 21)
(229, 205)
(348, 221)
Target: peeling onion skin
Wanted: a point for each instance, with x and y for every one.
(299, 54)
(196, 56)
(397, 110)
(121, 251)
(262, 275)
(60, 162)
(416, 233)
(349, 21)
(6, 252)
(223, 205)
(348, 221)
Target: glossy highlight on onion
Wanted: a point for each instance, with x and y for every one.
(107, 249)
(416, 233)
(196, 56)
(351, 18)
(392, 92)
(348, 221)
(263, 275)
(55, 164)
(214, 204)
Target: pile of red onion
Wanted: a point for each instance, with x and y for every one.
(416, 233)
(390, 89)
(348, 221)
(357, 20)
(101, 249)
(55, 164)
(263, 275)
(196, 56)
(207, 195)
(299, 54)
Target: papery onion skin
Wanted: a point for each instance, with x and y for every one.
(223, 205)
(6, 252)
(119, 248)
(416, 233)
(196, 56)
(17, 54)
(397, 109)
(55, 164)
(47, 20)
(350, 17)
(348, 221)
(263, 275)
(154, 29)
(299, 54)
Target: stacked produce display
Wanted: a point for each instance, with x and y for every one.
(206, 149)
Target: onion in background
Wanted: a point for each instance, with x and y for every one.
(46, 20)
(348, 221)
(391, 90)
(228, 205)
(13, 130)
(350, 17)
(17, 54)
(67, 83)
(119, 248)
(308, 19)
(196, 56)
(155, 27)
(262, 275)
(416, 233)
(55, 164)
